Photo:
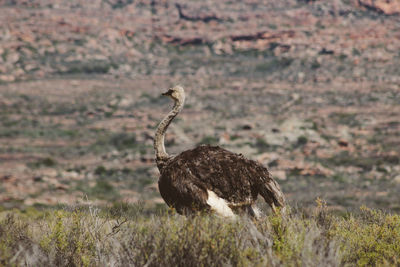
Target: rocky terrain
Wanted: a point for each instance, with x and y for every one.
(309, 88)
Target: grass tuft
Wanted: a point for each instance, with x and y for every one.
(129, 235)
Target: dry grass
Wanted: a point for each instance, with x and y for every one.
(124, 235)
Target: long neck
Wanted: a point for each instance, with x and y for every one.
(161, 154)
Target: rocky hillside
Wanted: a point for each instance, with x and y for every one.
(315, 41)
(308, 88)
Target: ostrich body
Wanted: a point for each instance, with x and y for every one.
(210, 177)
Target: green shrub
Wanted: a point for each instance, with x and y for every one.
(262, 145)
(69, 239)
(91, 67)
(209, 140)
(273, 65)
(119, 141)
(370, 239)
(130, 235)
(46, 162)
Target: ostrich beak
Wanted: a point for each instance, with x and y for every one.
(168, 93)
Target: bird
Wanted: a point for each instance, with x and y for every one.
(211, 178)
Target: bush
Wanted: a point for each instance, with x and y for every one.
(128, 235)
(46, 162)
(276, 64)
(68, 240)
(372, 239)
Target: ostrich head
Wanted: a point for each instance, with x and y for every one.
(176, 93)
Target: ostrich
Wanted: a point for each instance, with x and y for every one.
(210, 177)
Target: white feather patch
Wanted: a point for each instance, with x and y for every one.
(219, 205)
(257, 211)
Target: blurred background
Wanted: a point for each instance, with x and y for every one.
(311, 89)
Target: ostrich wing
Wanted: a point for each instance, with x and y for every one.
(185, 195)
(187, 177)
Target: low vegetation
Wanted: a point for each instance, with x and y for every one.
(125, 235)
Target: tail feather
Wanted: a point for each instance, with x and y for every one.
(273, 195)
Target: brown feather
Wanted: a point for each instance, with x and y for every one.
(185, 179)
